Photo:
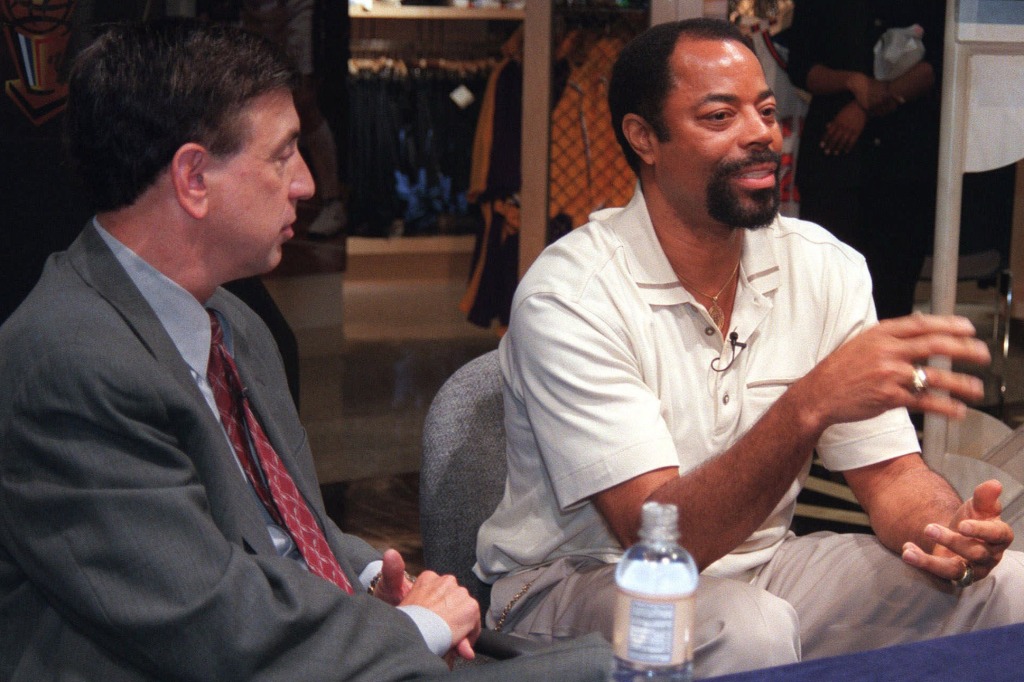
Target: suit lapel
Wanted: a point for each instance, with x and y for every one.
(233, 504)
(99, 268)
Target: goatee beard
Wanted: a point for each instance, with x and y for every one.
(726, 207)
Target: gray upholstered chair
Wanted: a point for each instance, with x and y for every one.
(462, 478)
(462, 475)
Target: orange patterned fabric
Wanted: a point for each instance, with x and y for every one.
(587, 168)
(483, 138)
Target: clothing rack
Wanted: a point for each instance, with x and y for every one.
(416, 79)
(431, 37)
(393, 61)
(568, 17)
(410, 140)
(472, 50)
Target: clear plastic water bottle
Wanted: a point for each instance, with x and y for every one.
(656, 580)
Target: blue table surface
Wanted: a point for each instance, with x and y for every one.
(995, 655)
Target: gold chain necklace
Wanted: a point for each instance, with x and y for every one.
(715, 310)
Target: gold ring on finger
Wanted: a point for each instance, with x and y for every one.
(967, 579)
(918, 380)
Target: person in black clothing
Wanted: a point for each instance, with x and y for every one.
(868, 156)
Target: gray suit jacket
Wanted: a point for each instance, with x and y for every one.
(131, 548)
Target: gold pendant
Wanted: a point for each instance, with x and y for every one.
(717, 316)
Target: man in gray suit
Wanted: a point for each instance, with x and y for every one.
(133, 541)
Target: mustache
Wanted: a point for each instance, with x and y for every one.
(755, 158)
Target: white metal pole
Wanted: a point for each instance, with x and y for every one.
(955, 86)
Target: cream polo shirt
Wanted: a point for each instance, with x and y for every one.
(607, 375)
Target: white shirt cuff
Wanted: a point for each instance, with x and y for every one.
(370, 572)
(435, 631)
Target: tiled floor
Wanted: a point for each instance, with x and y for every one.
(373, 353)
(386, 390)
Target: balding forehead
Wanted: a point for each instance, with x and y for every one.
(693, 56)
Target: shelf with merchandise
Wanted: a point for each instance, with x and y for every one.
(381, 10)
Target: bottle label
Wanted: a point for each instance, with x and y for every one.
(653, 630)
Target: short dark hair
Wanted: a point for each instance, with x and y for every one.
(140, 91)
(641, 78)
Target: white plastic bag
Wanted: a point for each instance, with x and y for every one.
(897, 50)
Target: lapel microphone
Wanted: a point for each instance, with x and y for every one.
(736, 345)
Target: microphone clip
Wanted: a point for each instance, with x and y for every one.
(736, 346)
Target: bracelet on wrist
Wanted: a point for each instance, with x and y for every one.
(371, 588)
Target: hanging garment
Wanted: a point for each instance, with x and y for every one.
(483, 138)
(410, 145)
(489, 296)
(497, 179)
(373, 144)
(587, 168)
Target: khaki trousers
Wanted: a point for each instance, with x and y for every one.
(821, 595)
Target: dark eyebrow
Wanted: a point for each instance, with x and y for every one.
(732, 99)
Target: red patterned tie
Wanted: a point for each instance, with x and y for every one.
(278, 494)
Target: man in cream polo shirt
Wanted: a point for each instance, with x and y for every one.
(696, 348)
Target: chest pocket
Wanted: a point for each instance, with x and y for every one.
(767, 380)
(760, 395)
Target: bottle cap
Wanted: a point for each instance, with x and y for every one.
(659, 521)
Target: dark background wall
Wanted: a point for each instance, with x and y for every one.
(41, 210)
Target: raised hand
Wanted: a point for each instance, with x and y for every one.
(874, 371)
(975, 538)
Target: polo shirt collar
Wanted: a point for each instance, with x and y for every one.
(658, 283)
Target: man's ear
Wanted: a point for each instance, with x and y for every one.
(640, 136)
(190, 188)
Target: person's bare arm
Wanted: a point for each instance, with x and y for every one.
(824, 80)
(876, 97)
(916, 513)
(726, 499)
(901, 497)
(723, 501)
(914, 84)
